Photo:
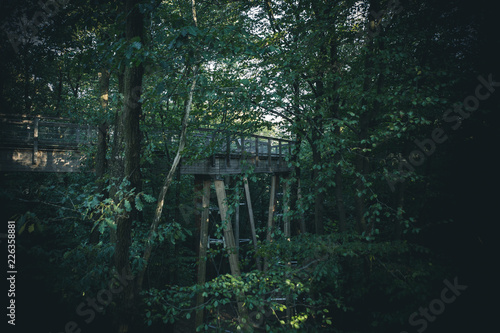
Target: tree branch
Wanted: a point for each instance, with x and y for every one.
(168, 179)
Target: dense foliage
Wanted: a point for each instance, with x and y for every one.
(377, 94)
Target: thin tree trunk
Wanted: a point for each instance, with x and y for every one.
(168, 181)
(319, 194)
(362, 162)
(202, 256)
(400, 209)
(339, 188)
(59, 92)
(252, 222)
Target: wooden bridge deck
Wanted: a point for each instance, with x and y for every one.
(55, 145)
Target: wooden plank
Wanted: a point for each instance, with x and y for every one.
(252, 222)
(202, 256)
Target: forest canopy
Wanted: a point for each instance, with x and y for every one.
(384, 113)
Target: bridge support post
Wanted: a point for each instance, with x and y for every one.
(237, 218)
(252, 222)
(202, 262)
(35, 140)
(270, 217)
(229, 237)
(286, 208)
(228, 229)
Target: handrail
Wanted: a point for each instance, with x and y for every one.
(39, 133)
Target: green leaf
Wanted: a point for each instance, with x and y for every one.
(149, 198)
(138, 203)
(128, 207)
(137, 45)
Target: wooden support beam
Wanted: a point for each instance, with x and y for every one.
(237, 220)
(270, 217)
(35, 139)
(286, 208)
(231, 248)
(287, 232)
(228, 229)
(252, 222)
(202, 262)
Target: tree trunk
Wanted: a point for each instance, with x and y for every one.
(130, 117)
(168, 181)
(362, 162)
(339, 188)
(59, 92)
(319, 197)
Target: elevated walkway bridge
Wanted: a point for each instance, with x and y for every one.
(41, 144)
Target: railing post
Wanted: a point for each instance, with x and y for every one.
(78, 135)
(242, 149)
(228, 150)
(214, 152)
(256, 151)
(269, 161)
(280, 155)
(35, 139)
(202, 260)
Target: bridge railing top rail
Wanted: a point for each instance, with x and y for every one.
(44, 133)
(58, 132)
